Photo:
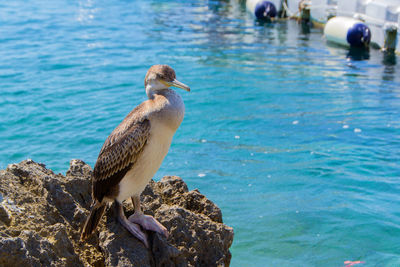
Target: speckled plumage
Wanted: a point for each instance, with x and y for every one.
(118, 154)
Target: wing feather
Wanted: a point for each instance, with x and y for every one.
(118, 154)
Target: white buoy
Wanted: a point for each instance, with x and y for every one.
(262, 9)
(347, 31)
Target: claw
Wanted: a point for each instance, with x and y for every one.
(132, 227)
(135, 230)
(149, 223)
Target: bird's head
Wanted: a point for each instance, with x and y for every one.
(161, 77)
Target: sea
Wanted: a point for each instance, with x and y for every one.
(295, 139)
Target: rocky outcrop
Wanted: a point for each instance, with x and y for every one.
(41, 214)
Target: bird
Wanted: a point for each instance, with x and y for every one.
(134, 151)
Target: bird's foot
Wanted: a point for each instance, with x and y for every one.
(149, 223)
(135, 230)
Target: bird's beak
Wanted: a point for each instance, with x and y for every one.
(178, 84)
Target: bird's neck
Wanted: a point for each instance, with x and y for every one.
(155, 87)
(164, 92)
(167, 98)
(168, 106)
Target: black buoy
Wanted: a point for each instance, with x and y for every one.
(265, 10)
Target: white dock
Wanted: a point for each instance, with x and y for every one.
(381, 16)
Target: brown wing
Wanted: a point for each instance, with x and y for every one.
(118, 154)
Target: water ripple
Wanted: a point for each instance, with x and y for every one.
(301, 138)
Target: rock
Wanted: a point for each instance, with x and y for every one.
(31, 249)
(5, 216)
(42, 213)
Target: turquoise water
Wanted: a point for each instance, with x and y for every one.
(298, 142)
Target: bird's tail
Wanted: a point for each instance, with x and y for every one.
(93, 220)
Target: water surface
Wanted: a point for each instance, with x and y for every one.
(296, 141)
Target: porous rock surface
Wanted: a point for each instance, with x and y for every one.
(41, 214)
